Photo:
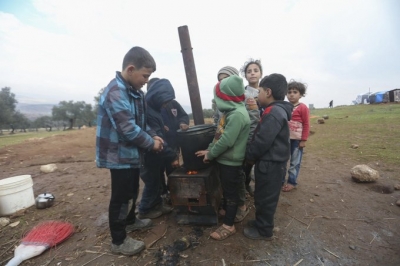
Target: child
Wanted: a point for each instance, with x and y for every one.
(252, 71)
(151, 206)
(242, 210)
(228, 148)
(120, 140)
(270, 151)
(222, 73)
(174, 117)
(299, 127)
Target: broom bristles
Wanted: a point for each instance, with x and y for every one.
(48, 233)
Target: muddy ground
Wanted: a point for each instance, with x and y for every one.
(327, 220)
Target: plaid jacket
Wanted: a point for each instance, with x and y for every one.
(120, 138)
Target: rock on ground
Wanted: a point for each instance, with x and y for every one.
(364, 173)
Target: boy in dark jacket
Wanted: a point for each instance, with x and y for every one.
(160, 92)
(270, 151)
(121, 139)
(174, 118)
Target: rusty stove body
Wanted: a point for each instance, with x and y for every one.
(195, 195)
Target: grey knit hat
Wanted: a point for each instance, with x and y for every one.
(228, 70)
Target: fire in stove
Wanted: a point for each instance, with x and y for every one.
(192, 172)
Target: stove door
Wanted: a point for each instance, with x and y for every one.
(188, 191)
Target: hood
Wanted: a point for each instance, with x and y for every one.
(287, 106)
(159, 92)
(229, 93)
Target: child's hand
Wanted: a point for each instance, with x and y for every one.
(175, 164)
(158, 144)
(251, 104)
(184, 127)
(252, 107)
(302, 144)
(203, 153)
(158, 138)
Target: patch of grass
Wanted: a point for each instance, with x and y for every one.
(7, 140)
(374, 128)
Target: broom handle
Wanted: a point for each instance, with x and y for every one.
(24, 252)
(15, 261)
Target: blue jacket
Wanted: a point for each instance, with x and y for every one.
(120, 138)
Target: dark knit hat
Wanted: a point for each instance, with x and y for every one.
(228, 70)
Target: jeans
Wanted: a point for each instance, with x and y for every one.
(268, 183)
(124, 187)
(232, 180)
(296, 155)
(151, 197)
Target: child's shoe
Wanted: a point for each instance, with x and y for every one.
(129, 247)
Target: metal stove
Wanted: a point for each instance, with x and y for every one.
(195, 195)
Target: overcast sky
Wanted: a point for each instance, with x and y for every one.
(54, 50)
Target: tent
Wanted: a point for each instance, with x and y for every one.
(363, 98)
(394, 95)
(379, 97)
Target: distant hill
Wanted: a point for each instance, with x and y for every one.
(33, 111)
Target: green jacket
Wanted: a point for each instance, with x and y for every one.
(229, 144)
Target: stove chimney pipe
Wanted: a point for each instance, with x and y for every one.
(191, 77)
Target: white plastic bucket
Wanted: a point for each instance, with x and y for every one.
(16, 193)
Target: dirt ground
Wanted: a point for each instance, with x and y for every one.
(327, 220)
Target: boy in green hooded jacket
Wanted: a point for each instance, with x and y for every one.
(228, 148)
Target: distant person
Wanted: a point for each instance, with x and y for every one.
(252, 71)
(270, 151)
(159, 94)
(299, 127)
(228, 148)
(121, 140)
(331, 104)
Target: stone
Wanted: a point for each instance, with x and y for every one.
(354, 146)
(397, 186)
(321, 121)
(364, 173)
(325, 117)
(398, 202)
(4, 221)
(48, 168)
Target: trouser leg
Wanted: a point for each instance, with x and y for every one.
(124, 187)
(231, 179)
(268, 182)
(247, 171)
(295, 161)
(151, 195)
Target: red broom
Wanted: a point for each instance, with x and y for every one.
(43, 236)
